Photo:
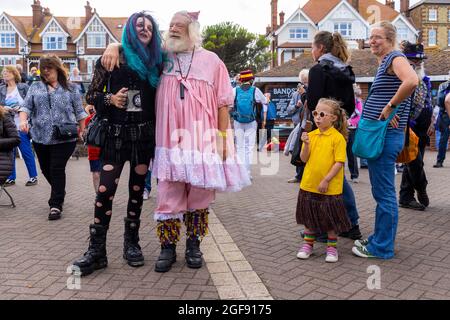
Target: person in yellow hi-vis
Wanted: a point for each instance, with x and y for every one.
(320, 205)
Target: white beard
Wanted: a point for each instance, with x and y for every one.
(178, 45)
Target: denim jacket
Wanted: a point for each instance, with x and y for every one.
(22, 87)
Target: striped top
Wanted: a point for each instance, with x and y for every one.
(384, 87)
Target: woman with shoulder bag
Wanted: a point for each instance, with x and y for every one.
(55, 110)
(388, 100)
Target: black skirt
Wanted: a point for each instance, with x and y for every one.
(133, 142)
(322, 213)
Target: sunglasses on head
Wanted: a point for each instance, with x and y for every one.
(320, 114)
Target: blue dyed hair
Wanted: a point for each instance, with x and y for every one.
(146, 61)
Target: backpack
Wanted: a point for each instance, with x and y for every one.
(244, 105)
(271, 111)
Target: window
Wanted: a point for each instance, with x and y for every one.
(6, 61)
(298, 33)
(7, 34)
(402, 33)
(432, 15)
(96, 40)
(7, 40)
(432, 37)
(448, 15)
(448, 38)
(96, 35)
(53, 28)
(344, 28)
(54, 43)
(5, 25)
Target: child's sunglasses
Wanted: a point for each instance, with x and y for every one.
(320, 114)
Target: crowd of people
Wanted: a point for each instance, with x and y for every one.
(166, 105)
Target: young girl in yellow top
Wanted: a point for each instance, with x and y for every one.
(320, 205)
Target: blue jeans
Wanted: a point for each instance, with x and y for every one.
(443, 141)
(148, 181)
(382, 179)
(28, 157)
(350, 203)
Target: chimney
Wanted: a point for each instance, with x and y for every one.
(274, 4)
(404, 7)
(281, 18)
(37, 13)
(47, 12)
(88, 11)
(390, 3)
(355, 4)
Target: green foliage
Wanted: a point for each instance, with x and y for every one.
(238, 48)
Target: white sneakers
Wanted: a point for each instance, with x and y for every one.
(146, 194)
(332, 255)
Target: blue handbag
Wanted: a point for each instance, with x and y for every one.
(369, 137)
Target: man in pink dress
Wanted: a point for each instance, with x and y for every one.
(195, 154)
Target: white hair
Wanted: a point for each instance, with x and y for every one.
(304, 75)
(195, 33)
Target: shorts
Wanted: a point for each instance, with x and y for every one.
(96, 165)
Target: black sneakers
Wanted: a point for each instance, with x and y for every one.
(423, 199)
(438, 165)
(354, 233)
(413, 204)
(9, 182)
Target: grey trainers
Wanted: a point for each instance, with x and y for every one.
(361, 243)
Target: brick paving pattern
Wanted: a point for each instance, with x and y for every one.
(252, 246)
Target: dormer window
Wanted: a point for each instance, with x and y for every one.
(298, 33)
(54, 38)
(7, 34)
(96, 36)
(344, 28)
(53, 42)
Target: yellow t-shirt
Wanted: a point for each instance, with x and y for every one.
(326, 148)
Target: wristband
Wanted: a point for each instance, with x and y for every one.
(222, 134)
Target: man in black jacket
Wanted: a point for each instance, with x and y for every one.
(413, 177)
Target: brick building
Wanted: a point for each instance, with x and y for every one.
(78, 41)
(432, 18)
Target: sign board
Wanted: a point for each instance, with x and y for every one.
(281, 97)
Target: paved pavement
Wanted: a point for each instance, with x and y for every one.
(250, 253)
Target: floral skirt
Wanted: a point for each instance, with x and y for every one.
(322, 213)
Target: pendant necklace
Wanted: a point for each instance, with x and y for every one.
(181, 73)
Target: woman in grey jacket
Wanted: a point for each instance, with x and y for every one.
(12, 95)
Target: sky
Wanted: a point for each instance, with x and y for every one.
(254, 15)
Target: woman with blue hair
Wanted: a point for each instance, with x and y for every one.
(126, 98)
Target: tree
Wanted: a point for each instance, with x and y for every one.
(238, 48)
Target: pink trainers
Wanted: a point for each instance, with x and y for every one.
(305, 251)
(332, 255)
